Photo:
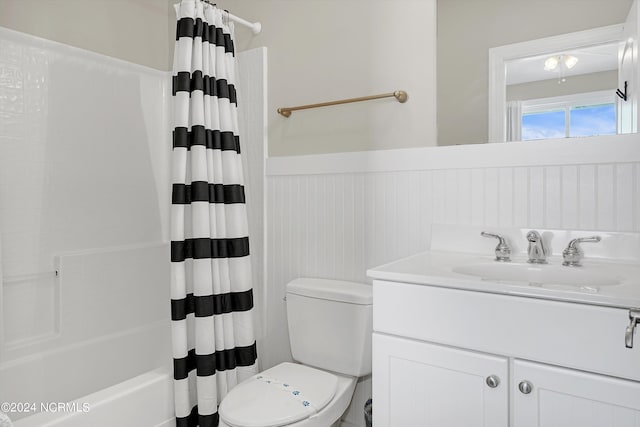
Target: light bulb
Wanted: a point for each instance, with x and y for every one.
(570, 61)
(551, 63)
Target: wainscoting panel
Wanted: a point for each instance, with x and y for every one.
(338, 225)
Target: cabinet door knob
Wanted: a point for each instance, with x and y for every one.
(525, 387)
(493, 381)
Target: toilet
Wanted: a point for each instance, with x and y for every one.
(330, 326)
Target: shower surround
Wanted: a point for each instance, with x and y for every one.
(84, 221)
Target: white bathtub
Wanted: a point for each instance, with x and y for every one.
(108, 336)
(143, 401)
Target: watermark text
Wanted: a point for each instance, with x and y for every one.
(53, 407)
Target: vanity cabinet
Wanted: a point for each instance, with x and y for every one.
(566, 397)
(422, 384)
(446, 357)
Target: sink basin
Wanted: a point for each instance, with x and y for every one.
(554, 276)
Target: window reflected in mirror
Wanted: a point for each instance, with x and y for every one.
(562, 94)
(579, 115)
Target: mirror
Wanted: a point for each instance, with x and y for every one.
(556, 87)
(467, 30)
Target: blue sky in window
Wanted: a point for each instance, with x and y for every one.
(594, 120)
(585, 121)
(545, 125)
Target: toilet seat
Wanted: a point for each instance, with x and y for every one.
(279, 396)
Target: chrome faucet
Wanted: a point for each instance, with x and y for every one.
(537, 251)
(503, 251)
(573, 254)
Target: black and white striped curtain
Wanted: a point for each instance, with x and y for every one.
(211, 292)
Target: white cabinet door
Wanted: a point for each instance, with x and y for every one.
(419, 384)
(562, 397)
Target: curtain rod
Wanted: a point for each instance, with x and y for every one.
(255, 27)
(400, 95)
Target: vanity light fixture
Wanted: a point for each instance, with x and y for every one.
(552, 62)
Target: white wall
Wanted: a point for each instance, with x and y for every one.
(133, 30)
(323, 50)
(604, 80)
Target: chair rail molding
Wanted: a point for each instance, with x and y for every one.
(609, 149)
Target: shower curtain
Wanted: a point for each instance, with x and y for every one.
(214, 345)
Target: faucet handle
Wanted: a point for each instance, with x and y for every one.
(503, 251)
(573, 254)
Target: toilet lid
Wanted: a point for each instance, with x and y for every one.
(278, 396)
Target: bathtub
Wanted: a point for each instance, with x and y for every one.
(97, 334)
(143, 401)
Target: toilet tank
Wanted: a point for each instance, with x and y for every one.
(330, 324)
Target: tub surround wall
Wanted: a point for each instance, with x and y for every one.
(81, 163)
(113, 326)
(83, 173)
(252, 117)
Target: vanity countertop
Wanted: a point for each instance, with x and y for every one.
(437, 269)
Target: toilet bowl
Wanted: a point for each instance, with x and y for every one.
(330, 327)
